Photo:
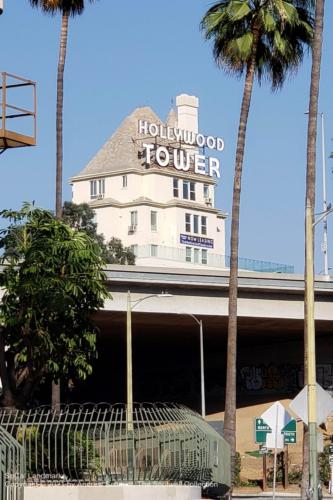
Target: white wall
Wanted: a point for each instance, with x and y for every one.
(147, 192)
(120, 492)
(152, 184)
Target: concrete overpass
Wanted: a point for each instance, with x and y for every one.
(166, 339)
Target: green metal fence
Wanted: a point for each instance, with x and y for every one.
(12, 467)
(99, 444)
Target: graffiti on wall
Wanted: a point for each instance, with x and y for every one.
(281, 378)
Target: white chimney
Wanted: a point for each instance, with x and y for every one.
(187, 112)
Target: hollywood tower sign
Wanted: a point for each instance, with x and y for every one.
(180, 158)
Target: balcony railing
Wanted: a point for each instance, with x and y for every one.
(213, 260)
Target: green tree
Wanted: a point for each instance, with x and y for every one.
(117, 253)
(263, 38)
(309, 330)
(53, 285)
(81, 216)
(66, 8)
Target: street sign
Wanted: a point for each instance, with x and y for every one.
(276, 417)
(261, 429)
(263, 450)
(330, 449)
(330, 459)
(299, 404)
(289, 432)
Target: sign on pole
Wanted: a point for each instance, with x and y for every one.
(277, 418)
(299, 404)
(261, 429)
(289, 432)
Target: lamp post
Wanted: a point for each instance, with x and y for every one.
(129, 359)
(129, 370)
(202, 364)
(325, 240)
(325, 205)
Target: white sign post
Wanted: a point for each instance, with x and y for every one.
(299, 404)
(277, 418)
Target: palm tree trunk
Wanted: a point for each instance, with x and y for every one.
(59, 119)
(230, 395)
(309, 210)
(59, 131)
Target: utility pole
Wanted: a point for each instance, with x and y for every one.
(325, 240)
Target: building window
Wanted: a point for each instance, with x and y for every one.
(203, 225)
(196, 255)
(124, 181)
(206, 191)
(134, 249)
(93, 189)
(134, 218)
(153, 220)
(196, 224)
(203, 256)
(188, 255)
(153, 250)
(192, 191)
(97, 188)
(176, 188)
(188, 223)
(185, 190)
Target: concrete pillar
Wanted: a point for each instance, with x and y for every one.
(187, 112)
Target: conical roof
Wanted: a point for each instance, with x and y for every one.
(172, 118)
(120, 152)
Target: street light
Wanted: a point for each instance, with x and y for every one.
(325, 241)
(129, 361)
(325, 205)
(310, 348)
(202, 365)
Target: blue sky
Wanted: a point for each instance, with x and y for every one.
(122, 56)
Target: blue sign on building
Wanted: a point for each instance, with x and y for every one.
(197, 241)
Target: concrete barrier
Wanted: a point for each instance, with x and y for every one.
(116, 492)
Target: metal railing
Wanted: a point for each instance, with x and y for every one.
(15, 131)
(12, 467)
(213, 259)
(96, 444)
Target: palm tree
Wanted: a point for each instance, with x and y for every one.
(263, 38)
(67, 8)
(309, 451)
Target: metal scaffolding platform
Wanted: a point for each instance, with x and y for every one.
(14, 131)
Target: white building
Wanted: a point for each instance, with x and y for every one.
(153, 189)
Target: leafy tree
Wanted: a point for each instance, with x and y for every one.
(82, 217)
(263, 39)
(53, 285)
(67, 8)
(309, 331)
(116, 253)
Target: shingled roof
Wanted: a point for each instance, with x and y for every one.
(120, 152)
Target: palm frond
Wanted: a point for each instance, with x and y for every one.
(72, 7)
(285, 33)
